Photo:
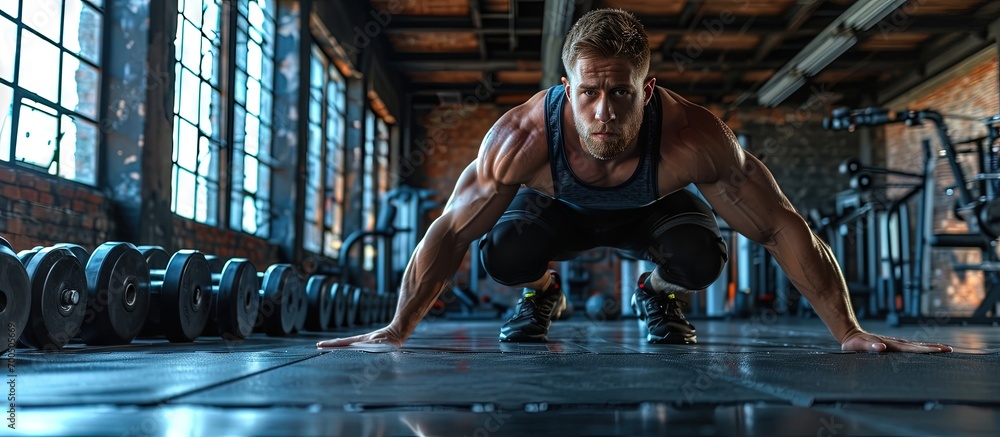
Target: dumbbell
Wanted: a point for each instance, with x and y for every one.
(321, 300)
(280, 287)
(339, 311)
(363, 306)
(58, 302)
(302, 311)
(345, 293)
(117, 292)
(180, 293)
(15, 294)
(235, 298)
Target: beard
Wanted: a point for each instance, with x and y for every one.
(625, 130)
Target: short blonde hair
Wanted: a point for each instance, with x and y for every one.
(608, 33)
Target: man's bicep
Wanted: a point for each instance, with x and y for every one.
(747, 197)
(477, 203)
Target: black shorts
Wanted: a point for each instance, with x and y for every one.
(678, 233)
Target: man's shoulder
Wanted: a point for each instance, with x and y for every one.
(517, 146)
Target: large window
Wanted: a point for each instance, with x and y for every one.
(324, 164)
(197, 111)
(50, 77)
(376, 177)
(252, 129)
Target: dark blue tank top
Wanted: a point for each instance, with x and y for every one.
(640, 189)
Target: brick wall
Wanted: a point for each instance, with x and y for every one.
(224, 243)
(970, 91)
(41, 210)
(802, 156)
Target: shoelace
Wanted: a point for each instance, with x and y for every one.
(671, 305)
(527, 304)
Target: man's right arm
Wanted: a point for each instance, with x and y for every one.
(481, 195)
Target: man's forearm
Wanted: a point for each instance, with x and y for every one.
(812, 268)
(434, 263)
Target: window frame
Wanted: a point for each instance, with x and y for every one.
(20, 96)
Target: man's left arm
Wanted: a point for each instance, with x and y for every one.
(744, 193)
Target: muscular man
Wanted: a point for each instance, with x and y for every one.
(603, 160)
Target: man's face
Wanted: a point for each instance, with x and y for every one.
(607, 99)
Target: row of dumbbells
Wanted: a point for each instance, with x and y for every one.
(51, 296)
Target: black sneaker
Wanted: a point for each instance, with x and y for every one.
(535, 311)
(662, 314)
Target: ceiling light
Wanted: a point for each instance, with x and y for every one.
(779, 88)
(867, 13)
(815, 59)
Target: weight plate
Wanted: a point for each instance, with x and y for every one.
(215, 263)
(185, 297)
(5, 243)
(321, 302)
(118, 296)
(82, 254)
(302, 309)
(337, 313)
(361, 307)
(25, 255)
(15, 294)
(156, 257)
(58, 299)
(236, 300)
(278, 307)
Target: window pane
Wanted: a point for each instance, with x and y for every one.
(208, 56)
(183, 203)
(254, 57)
(10, 6)
(191, 48)
(249, 215)
(80, 87)
(253, 96)
(251, 143)
(241, 50)
(263, 182)
(206, 157)
(189, 89)
(44, 16)
(78, 150)
(82, 30)
(250, 174)
(41, 75)
(240, 88)
(187, 155)
(6, 120)
(8, 45)
(267, 72)
(264, 142)
(212, 17)
(207, 113)
(312, 241)
(239, 129)
(36, 135)
(266, 106)
(192, 10)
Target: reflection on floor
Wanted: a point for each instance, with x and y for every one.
(745, 377)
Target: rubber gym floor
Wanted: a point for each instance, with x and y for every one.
(745, 377)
